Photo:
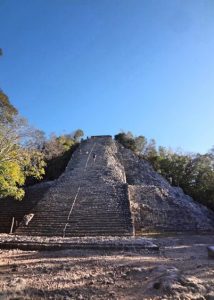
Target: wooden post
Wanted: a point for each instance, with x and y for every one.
(12, 224)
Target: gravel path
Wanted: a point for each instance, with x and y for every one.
(180, 270)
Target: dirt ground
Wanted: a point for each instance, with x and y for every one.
(180, 270)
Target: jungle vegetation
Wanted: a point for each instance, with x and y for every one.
(26, 154)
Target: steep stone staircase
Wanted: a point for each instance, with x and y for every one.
(90, 198)
(13, 211)
(106, 190)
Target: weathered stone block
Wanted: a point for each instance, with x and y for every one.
(210, 250)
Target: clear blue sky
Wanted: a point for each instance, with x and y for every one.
(108, 65)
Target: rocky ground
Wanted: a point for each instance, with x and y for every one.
(180, 270)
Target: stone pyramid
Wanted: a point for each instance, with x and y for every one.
(106, 190)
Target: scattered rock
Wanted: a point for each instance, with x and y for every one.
(209, 296)
(136, 273)
(17, 283)
(210, 250)
(171, 280)
(14, 268)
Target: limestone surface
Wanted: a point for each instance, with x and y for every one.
(156, 205)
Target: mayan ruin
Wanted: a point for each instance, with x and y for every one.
(115, 194)
(106, 150)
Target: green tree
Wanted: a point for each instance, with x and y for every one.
(127, 140)
(18, 157)
(57, 151)
(7, 110)
(141, 143)
(78, 134)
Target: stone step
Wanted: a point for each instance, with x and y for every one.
(76, 232)
(98, 218)
(119, 222)
(72, 229)
(102, 205)
(85, 214)
(63, 231)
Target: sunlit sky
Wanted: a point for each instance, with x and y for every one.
(146, 66)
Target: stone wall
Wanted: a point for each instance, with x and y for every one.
(156, 205)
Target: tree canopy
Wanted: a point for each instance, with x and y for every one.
(18, 158)
(7, 110)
